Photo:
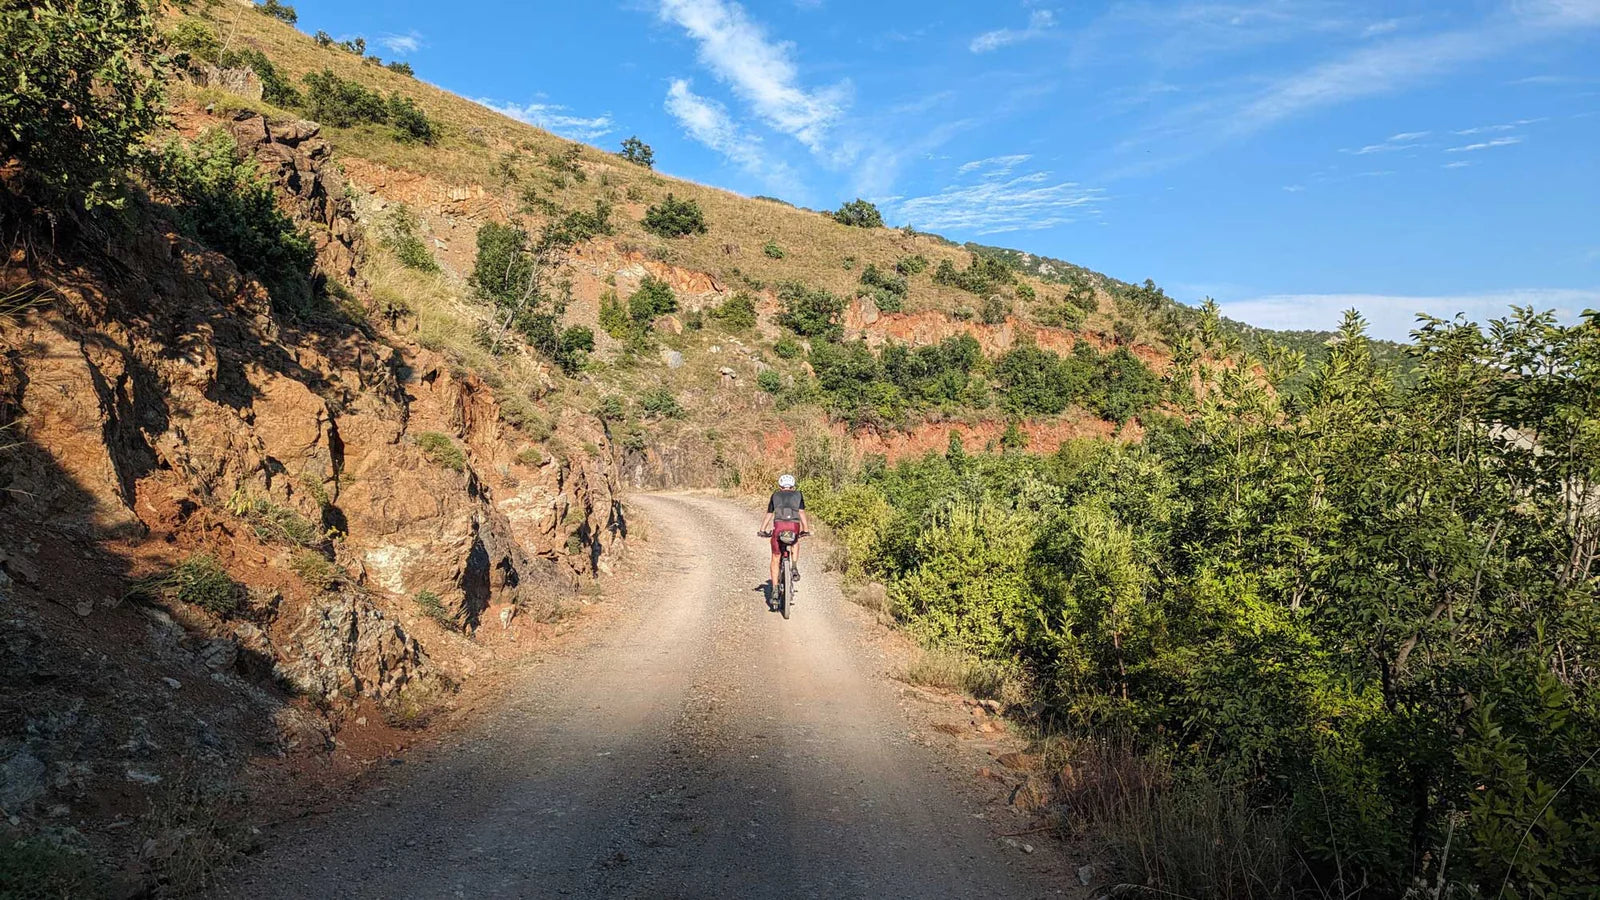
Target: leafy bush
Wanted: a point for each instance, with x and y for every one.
(404, 68)
(984, 275)
(914, 264)
(1337, 631)
(280, 11)
(638, 152)
(574, 346)
(673, 218)
(787, 348)
(81, 92)
(195, 40)
(770, 381)
(220, 198)
(611, 409)
(772, 251)
(995, 309)
(409, 121)
(888, 290)
(812, 312)
(401, 238)
(200, 580)
(442, 450)
(735, 313)
(335, 101)
(653, 299)
(859, 214)
(659, 403)
(275, 88)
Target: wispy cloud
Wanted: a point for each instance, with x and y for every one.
(995, 205)
(708, 122)
(1458, 164)
(1504, 126)
(1394, 316)
(402, 44)
(1294, 188)
(1039, 24)
(556, 118)
(760, 71)
(994, 165)
(1405, 140)
(1385, 67)
(1485, 145)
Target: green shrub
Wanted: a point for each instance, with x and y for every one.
(280, 11)
(275, 87)
(401, 238)
(915, 264)
(429, 604)
(272, 522)
(611, 409)
(195, 40)
(772, 251)
(653, 299)
(659, 403)
(812, 312)
(404, 68)
(220, 198)
(787, 348)
(81, 91)
(1025, 292)
(673, 218)
(334, 101)
(983, 275)
(317, 570)
(200, 580)
(575, 345)
(442, 450)
(1060, 315)
(859, 214)
(638, 152)
(409, 121)
(735, 313)
(770, 381)
(37, 869)
(995, 309)
(577, 226)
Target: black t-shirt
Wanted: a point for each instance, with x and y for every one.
(785, 506)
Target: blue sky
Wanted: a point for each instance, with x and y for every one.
(1290, 158)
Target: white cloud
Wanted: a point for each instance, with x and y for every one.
(402, 44)
(1504, 126)
(760, 71)
(1458, 164)
(708, 122)
(1394, 316)
(1039, 23)
(996, 165)
(995, 205)
(1485, 145)
(554, 117)
(1294, 188)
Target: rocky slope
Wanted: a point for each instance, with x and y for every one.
(167, 426)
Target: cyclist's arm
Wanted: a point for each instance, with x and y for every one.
(766, 524)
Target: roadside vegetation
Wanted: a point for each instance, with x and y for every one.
(1325, 643)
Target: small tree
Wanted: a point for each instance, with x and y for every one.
(674, 218)
(653, 298)
(859, 214)
(279, 11)
(638, 152)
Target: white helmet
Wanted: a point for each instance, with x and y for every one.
(786, 482)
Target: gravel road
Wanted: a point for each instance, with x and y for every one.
(701, 747)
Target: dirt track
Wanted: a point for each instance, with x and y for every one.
(702, 747)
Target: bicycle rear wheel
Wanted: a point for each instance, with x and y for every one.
(786, 586)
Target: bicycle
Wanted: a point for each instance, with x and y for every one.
(784, 589)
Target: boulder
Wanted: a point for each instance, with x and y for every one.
(666, 324)
(672, 358)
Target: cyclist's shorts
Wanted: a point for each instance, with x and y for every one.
(779, 528)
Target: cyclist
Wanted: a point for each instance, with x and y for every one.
(786, 511)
